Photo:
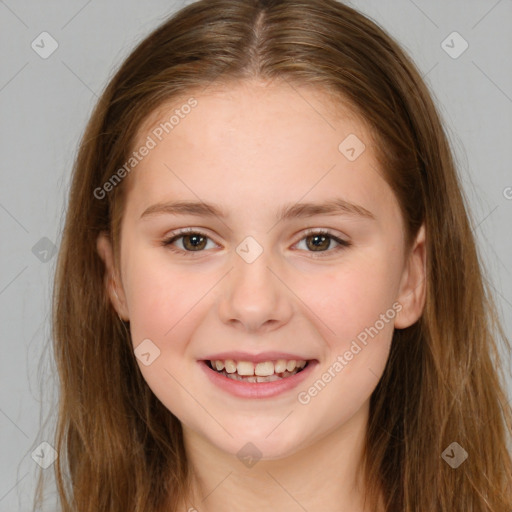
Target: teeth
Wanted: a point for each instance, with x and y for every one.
(263, 370)
(245, 368)
(270, 378)
(290, 365)
(229, 364)
(280, 366)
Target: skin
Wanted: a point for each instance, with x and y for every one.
(253, 147)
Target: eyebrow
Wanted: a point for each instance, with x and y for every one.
(335, 206)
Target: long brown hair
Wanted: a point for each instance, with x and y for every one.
(119, 448)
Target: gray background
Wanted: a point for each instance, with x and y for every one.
(44, 107)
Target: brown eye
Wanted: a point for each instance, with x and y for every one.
(192, 241)
(318, 242)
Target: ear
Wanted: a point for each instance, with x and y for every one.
(413, 285)
(113, 283)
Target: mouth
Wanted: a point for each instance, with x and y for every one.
(265, 379)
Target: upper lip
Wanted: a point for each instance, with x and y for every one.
(255, 358)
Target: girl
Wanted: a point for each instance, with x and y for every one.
(268, 293)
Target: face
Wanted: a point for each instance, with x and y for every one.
(248, 284)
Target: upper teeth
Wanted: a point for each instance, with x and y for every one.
(262, 369)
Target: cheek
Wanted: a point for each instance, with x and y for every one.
(352, 298)
(357, 309)
(163, 309)
(166, 302)
(161, 302)
(159, 294)
(154, 301)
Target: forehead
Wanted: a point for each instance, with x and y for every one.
(257, 141)
(261, 98)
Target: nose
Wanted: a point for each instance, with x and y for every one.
(255, 297)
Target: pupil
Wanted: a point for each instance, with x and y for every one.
(195, 238)
(316, 237)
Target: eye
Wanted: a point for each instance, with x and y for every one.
(320, 240)
(193, 240)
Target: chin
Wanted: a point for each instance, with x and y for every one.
(259, 444)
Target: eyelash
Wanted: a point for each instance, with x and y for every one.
(343, 244)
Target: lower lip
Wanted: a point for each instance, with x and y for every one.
(257, 389)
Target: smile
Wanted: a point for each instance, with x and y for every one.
(264, 379)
